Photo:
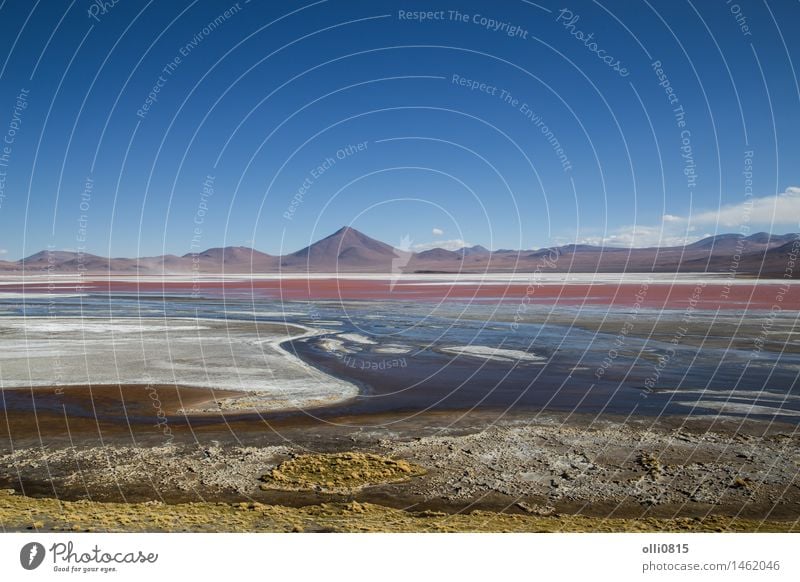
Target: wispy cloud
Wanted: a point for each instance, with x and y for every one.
(641, 236)
(781, 209)
(449, 245)
(437, 231)
(771, 213)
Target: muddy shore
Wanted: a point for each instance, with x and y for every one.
(104, 445)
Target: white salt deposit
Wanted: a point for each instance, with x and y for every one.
(495, 354)
(219, 354)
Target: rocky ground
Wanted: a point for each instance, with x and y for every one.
(514, 475)
(612, 464)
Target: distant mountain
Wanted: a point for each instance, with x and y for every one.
(438, 254)
(775, 258)
(732, 242)
(474, 250)
(228, 259)
(52, 257)
(350, 251)
(345, 250)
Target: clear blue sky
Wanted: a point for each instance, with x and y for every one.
(265, 93)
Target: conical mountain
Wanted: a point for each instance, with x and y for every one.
(347, 249)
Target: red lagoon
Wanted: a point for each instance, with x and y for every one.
(756, 295)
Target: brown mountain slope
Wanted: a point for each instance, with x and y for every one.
(346, 250)
(350, 251)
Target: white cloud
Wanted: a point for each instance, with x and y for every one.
(771, 213)
(641, 236)
(450, 245)
(437, 231)
(3, 251)
(783, 208)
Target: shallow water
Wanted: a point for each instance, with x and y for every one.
(411, 356)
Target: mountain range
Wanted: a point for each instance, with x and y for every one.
(350, 251)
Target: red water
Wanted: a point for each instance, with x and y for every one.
(769, 295)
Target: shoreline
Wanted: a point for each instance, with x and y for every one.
(245, 361)
(556, 466)
(118, 411)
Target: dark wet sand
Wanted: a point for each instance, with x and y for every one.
(129, 414)
(55, 414)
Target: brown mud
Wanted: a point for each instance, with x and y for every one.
(101, 458)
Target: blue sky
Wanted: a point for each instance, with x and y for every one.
(511, 125)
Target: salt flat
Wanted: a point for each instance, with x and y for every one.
(206, 353)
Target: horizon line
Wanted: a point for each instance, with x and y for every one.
(687, 242)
